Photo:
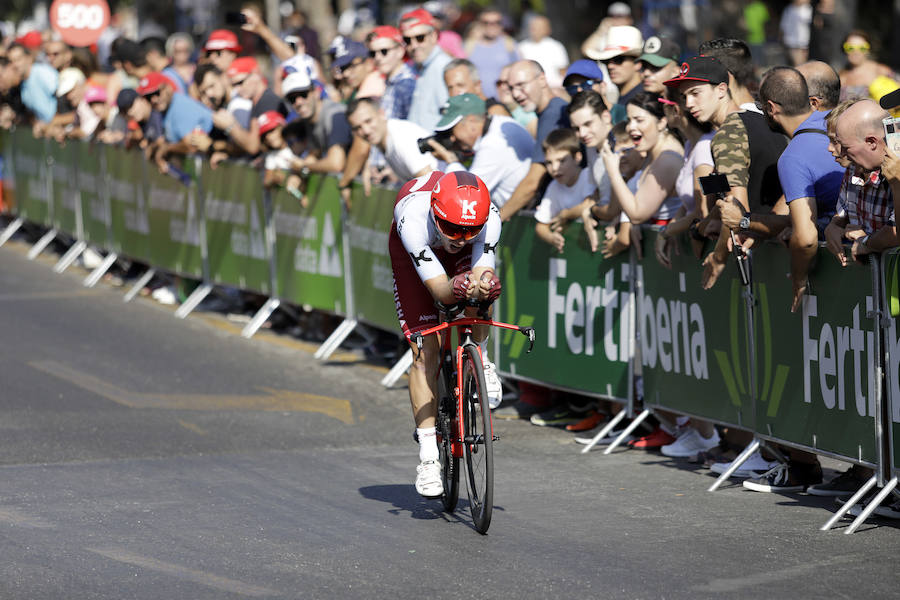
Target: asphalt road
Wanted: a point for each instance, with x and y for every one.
(146, 457)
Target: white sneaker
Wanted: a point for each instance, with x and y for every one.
(164, 295)
(755, 466)
(690, 443)
(428, 479)
(91, 259)
(494, 387)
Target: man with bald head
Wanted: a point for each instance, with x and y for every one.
(870, 211)
(824, 84)
(810, 177)
(529, 88)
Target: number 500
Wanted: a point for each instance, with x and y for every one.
(79, 16)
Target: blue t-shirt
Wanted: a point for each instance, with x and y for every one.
(39, 91)
(552, 117)
(807, 169)
(183, 116)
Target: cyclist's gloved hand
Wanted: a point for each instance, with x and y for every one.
(460, 285)
(490, 286)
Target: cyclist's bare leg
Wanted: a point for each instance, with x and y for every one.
(423, 381)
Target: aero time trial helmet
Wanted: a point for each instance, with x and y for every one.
(460, 205)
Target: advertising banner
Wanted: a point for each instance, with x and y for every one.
(91, 185)
(579, 303)
(235, 227)
(128, 203)
(816, 367)
(64, 191)
(309, 261)
(174, 224)
(693, 342)
(369, 224)
(890, 269)
(32, 191)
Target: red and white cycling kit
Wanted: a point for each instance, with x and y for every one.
(417, 254)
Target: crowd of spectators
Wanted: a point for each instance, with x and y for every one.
(618, 137)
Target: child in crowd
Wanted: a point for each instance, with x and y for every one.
(617, 237)
(571, 187)
(279, 155)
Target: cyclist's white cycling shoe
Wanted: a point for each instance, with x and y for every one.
(428, 479)
(494, 387)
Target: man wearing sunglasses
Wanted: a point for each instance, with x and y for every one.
(584, 75)
(443, 244)
(624, 44)
(660, 61)
(221, 48)
(331, 136)
(421, 38)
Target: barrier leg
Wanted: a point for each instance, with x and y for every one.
(854, 500)
(69, 257)
(735, 465)
(398, 369)
(605, 431)
(11, 229)
(261, 316)
(631, 427)
(335, 339)
(41, 244)
(92, 279)
(193, 300)
(139, 285)
(871, 506)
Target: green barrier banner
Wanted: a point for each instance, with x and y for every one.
(889, 262)
(580, 305)
(309, 248)
(8, 182)
(174, 224)
(816, 376)
(235, 227)
(32, 192)
(693, 342)
(91, 183)
(128, 203)
(373, 280)
(64, 191)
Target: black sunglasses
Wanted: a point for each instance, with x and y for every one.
(577, 87)
(419, 38)
(294, 95)
(381, 51)
(618, 60)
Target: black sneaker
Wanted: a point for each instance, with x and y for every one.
(785, 479)
(847, 483)
(519, 410)
(889, 508)
(559, 416)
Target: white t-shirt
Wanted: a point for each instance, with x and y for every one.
(559, 197)
(795, 22)
(417, 231)
(401, 149)
(548, 53)
(701, 154)
(502, 157)
(599, 176)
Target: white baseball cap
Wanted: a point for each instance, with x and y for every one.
(296, 81)
(68, 79)
(622, 39)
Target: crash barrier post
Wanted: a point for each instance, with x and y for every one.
(581, 304)
(809, 380)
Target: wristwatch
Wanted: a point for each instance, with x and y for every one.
(745, 221)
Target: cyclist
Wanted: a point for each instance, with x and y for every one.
(442, 244)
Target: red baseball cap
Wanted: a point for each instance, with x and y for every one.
(387, 32)
(222, 39)
(417, 17)
(31, 40)
(150, 83)
(243, 64)
(269, 120)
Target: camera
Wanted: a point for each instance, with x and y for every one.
(441, 137)
(235, 18)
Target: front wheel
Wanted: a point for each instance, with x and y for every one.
(478, 437)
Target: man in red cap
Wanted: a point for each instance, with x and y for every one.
(420, 36)
(247, 82)
(221, 48)
(387, 50)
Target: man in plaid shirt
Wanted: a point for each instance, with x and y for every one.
(866, 192)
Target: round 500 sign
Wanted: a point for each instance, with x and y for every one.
(79, 22)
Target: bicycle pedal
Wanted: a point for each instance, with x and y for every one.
(496, 438)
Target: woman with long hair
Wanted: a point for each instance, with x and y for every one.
(861, 70)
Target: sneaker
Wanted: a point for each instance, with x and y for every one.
(785, 479)
(164, 295)
(657, 439)
(605, 441)
(494, 387)
(519, 410)
(889, 509)
(755, 466)
(591, 421)
(428, 479)
(847, 483)
(555, 417)
(689, 444)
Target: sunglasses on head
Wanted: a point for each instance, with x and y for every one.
(577, 87)
(419, 38)
(455, 232)
(294, 95)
